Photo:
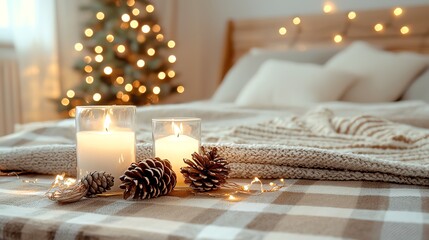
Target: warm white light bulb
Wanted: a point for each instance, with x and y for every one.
(125, 17)
(405, 30)
(397, 11)
(378, 27)
(78, 47)
(70, 93)
(108, 70)
(296, 20)
(338, 38)
(97, 97)
(172, 58)
(352, 15)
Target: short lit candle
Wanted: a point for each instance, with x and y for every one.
(175, 148)
(111, 150)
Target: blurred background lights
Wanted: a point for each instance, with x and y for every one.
(100, 15)
(125, 17)
(171, 73)
(89, 32)
(180, 89)
(136, 11)
(172, 58)
(98, 49)
(352, 15)
(89, 79)
(70, 93)
(156, 28)
(328, 7)
(156, 90)
(140, 63)
(99, 58)
(108, 70)
(78, 47)
(397, 11)
(145, 28)
(378, 27)
(296, 20)
(125, 98)
(160, 37)
(150, 8)
(405, 29)
(142, 89)
(87, 59)
(65, 101)
(120, 80)
(338, 38)
(134, 24)
(161, 75)
(128, 87)
(131, 3)
(151, 51)
(110, 38)
(87, 68)
(96, 97)
(121, 48)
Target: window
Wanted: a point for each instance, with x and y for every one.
(5, 25)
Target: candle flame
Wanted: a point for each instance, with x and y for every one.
(107, 122)
(177, 130)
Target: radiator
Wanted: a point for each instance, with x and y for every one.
(10, 97)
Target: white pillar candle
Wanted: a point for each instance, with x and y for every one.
(175, 148)
(111, 151)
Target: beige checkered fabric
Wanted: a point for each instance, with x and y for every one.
(304, 209)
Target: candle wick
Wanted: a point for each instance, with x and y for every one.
(107, 129)
(177, 134)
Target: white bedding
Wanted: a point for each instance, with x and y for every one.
(219, 117)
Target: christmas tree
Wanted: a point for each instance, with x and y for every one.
(127, 58)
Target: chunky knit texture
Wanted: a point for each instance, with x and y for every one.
(317, 145)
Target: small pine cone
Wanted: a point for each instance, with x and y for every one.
(206, 172)
(148, 178)
(97, 182)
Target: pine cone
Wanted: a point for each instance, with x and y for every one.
(148, 178)
(206, 172)
(97, 182)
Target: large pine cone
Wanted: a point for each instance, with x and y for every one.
(206, 172)
(97, 182)
(148, 178)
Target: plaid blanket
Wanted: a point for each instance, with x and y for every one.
(304, 209)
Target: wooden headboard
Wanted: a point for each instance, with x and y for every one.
(320, 30)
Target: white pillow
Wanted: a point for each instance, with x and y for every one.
(419, 89)
(246, 67)
(384, 76)
(282, 83)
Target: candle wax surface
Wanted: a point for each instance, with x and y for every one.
(175, 148)
(111, 152)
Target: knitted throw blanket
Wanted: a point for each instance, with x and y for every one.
(317, 145)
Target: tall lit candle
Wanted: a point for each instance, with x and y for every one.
(106, 142)
(176, 139)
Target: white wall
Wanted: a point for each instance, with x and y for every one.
(201, 30)
(198, 27)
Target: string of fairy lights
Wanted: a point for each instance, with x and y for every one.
(121, 50)
(351, 15)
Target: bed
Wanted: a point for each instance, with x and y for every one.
(355, 165)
